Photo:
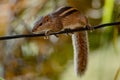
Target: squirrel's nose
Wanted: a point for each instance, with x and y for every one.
(34, 29)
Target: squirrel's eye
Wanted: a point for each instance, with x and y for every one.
(40, 24)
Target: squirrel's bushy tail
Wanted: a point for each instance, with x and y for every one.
(80, 44)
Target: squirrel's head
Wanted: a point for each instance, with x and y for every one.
(43, 24)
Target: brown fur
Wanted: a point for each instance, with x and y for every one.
(80, 44)
(68, 18)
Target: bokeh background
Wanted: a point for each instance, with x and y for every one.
(52, 59)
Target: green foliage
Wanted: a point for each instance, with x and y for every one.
(108, 11)
(1, 78)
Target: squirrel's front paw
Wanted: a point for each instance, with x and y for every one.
(47, 33)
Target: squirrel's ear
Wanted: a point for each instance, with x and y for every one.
(46, 18)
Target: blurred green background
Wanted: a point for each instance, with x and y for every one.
(52, 59)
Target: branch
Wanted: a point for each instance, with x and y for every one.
(61, 32)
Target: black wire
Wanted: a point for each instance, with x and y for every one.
(61, 32)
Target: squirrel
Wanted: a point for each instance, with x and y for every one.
(68, 18)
